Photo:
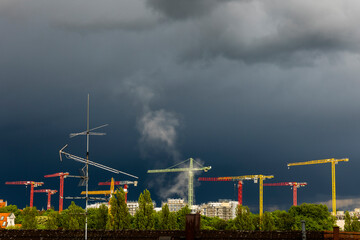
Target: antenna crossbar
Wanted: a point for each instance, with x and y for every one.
(83, 160)
(89, 131)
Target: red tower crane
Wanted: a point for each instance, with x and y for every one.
(125, 183)
(216, 179)
(62, 176)
(49, 193)
(31, 183)
(294, 185)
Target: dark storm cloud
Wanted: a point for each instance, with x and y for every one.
(83, 16)
(184, 9)
(207, 78)
(287, 33)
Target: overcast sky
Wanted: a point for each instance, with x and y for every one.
(243, 86)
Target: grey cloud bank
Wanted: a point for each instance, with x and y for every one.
(247, 86)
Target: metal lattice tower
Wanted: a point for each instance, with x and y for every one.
(190, 170)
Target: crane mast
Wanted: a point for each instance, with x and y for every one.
(190, 170)
(333, 161)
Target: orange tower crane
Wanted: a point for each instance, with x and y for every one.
(49, 193)
(333, 161)
(294, 185)
(31, 183)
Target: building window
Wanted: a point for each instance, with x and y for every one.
(4, 223)
(2, 218)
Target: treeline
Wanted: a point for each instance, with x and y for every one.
(317, 217)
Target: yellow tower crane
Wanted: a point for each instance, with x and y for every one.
(105, 192)
(333, 161)
(255, 178)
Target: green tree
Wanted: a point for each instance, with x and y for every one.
(167, 219)
(156, 216)
(52, 222)
(102, 215)
(283, 221)
(41, 221)
(144, 216)
(244, 219)
(267, 222)
(316, 216)
(29, 221)
(63, 219)
(73, 217)
(181, 217)
(355, 224)
(91, 214)
(213, 223)
(352, 224)
(119, 217)
(347, 225)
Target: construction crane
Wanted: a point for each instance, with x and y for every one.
(112, 187)
(217, 179)
(261, 179)
(190, 170)
(32, 184)
(122, 183)
(62, 176)
(333, 161)
(49, 193)
(294, 185)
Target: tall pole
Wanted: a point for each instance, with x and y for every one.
(191, 187)
(87, 163)
(333, 188)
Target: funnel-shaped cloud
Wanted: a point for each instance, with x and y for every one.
(158, 130)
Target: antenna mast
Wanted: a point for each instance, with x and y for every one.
(88, 132)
